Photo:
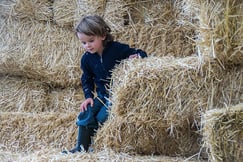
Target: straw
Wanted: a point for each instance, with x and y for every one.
(223, 134)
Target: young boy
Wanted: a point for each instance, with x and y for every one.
(102, 54)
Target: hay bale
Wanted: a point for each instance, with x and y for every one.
(5, 7)
(124, 134)
(31, 131)
(89, 7)
(157, 99)
(115, 14)
(40, 10)
(223, 133)
(105, 155)
(22, 95)
(3, 33)
(120, 13)
(152, 12)
(67, 13)
(189, 11)
(162, 40)
(221, 30)
(65, 100)
(42, 52)
(64, 12)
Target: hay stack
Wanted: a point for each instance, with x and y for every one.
(115, 14)
(152, 12)
(3, 33)
(46, 155)
(65, 100)
(67, 13)
(221, 30)
(64, 12)
(22, 95)
(5, 7)
(134, 136)
(90, 7)
(157, 104)
(42, 52)
(40, 10)
(223, 133)
(120, 13)
(31, 131)
(162, 40)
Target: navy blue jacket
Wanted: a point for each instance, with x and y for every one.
(97, 69)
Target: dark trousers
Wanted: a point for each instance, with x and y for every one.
(88, 121)
(94, 115)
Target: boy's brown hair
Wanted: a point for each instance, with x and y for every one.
(94, 26)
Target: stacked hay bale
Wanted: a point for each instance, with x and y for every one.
(25, 95)
(158, 101)
(223, 133)
(43, 66)
(220, 29)
(152, 25)
(32, 131)
(67, 13)
(105, 155)
(40, 51)
(156, 106)
(163, 39)
(39, 75)
(32, 10)
(22, 95)
(5, 8)
(168, 100)
(120, 13)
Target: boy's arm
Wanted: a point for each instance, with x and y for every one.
(131, 52)
(141, 53)
(87, 80)
(88, 86)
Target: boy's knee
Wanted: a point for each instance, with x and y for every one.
(102, 116)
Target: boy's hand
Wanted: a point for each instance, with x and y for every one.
(134, 56)
(85, 104)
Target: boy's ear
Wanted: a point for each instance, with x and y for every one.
(103, 38)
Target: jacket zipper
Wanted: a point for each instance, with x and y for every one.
(101, 60)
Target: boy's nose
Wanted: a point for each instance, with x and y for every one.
(88, 45)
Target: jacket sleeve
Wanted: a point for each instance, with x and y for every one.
(130, 51)
(141, 53)
(87, 79)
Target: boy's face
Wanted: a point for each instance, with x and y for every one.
(91, 44)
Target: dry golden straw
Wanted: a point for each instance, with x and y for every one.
(41, 51)
(26, 132)
(65, 100)
(32, 10)
(64, 12)
(220, 30)
(158, 101)
(5, 7)
(120, 13)
(24, 95)
(90, 7)
(223, 133)
(162, 40)
(67, 13)
(46, 155)
(18, 94)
